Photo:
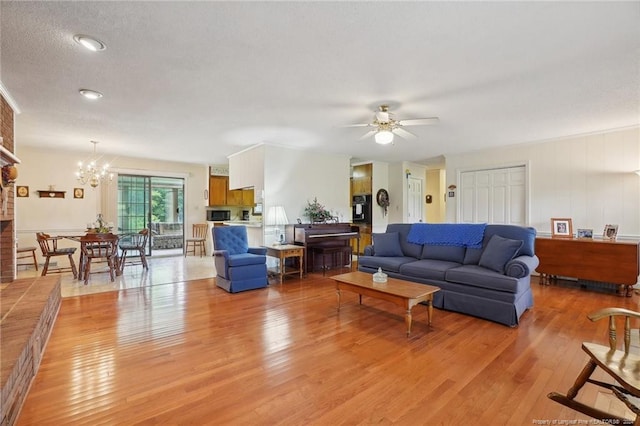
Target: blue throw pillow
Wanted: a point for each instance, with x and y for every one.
(498, 252)
(387, 244)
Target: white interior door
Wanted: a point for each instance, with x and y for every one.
(414, 200)
(494, 196)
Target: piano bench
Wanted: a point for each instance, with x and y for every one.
(337, 253)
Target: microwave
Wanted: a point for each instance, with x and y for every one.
(218, 215)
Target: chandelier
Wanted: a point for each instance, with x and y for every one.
(93, 173)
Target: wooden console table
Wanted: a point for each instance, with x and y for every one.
(613, 262)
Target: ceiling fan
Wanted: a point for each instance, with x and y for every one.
(385, 126)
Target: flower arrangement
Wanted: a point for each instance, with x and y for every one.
(316, 211)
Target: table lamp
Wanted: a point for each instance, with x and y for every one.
(276, 216)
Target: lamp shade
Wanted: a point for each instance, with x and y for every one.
(276, 216)
(383, 137)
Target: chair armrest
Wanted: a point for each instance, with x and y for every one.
(221, 253)
(257, 250)
(368, 251)
(521, 266)
(608, 312)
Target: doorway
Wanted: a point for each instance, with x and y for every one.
(414, 200)
(155, 203)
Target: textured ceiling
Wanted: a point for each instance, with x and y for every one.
(197, 81)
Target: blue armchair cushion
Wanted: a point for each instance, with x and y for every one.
(231, 238)
(387, 244)
(498, 252)
(244, 259)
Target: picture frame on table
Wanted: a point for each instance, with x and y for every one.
(561, 227)
(610, 232)
(585, 233)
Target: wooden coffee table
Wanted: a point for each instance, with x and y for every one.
(405, 294)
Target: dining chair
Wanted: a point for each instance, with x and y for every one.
(49, 247)
(134, 242)
(101, 247)
(197, 240)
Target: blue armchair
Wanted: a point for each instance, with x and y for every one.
(238, 266)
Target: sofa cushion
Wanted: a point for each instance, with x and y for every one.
(409, 249)
(387, 244)
(428, 269)
(526, 234)
(389, 264)
(498, 252)
(477, 276)
(438, 252)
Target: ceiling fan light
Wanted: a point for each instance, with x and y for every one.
(383, 137)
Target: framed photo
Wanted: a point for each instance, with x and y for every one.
(561, 227)
(610, 232)
(22, 191)
(585, 233)
(78, 192)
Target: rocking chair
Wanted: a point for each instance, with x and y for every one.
(622, 365)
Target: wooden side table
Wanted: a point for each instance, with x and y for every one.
(284, 251)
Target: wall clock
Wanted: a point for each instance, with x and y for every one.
(22, 191)
(382, 198)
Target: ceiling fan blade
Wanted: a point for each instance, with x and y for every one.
(368, 134)
(403, 133)
(419, 121)
(356, 125)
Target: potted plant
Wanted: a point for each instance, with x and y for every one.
(316, 212)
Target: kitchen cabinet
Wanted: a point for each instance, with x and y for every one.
(218, 188)
(365, 239)
(220, 195)
(247, 197)
(361, 179)
(234, 197)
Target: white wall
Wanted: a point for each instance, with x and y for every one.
(246, 169)
(294, 177)
(587, 178)
(380, 180)
(41, 168)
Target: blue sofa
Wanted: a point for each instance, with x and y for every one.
(490, 282)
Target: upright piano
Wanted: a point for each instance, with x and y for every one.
(318, 237)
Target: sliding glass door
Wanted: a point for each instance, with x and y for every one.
(155, 203)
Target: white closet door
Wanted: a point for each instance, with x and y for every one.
(493, 196)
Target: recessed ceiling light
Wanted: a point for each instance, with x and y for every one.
(89, 42)
(90, 94)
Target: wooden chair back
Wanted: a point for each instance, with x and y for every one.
(48, 245)
(199, 231)
(99, 245)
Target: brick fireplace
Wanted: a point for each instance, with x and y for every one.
(7, 219)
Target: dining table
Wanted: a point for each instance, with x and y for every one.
(91, 238)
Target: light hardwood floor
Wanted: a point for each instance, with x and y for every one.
(187, 352)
